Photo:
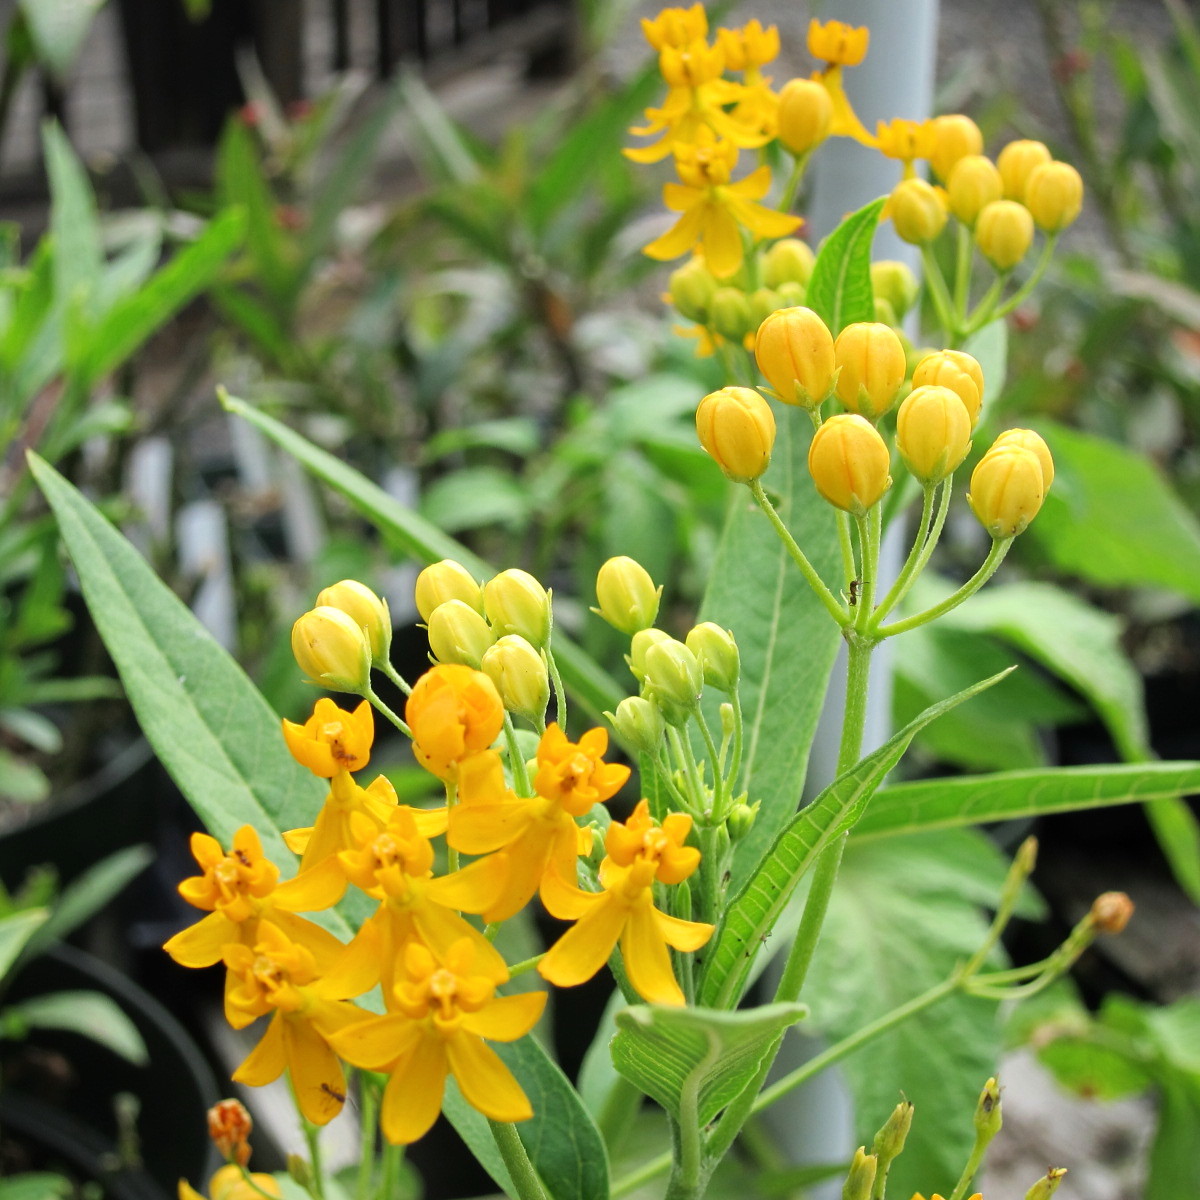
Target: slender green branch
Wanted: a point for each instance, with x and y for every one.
(935, 535)
(312, 1139)
(368, 1117)
(370, 695)
(938, 292)
(907, 572)
(525, 965)
(962, 273)
(520, 1170)
(657, 1166)
(1023, 292)
(560, 692)
(720, 804)
(451, 800)
(793, 183)
(395, 676)
(516, 760)
(809, 572)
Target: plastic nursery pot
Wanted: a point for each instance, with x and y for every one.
(62, 1091)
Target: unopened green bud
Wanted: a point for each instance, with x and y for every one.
(639, 724)
(641, 642)
(861, 1178)
(681, 901)
(299, 1170)
(741, 819)
(729, 314)
(516, 603)
(763, 303)
(458, 634)
(791, 294)
(626, 595)
(357, 601)
(520, 675)
(1026, 857)
(691, 289)
(885, 314)
(790, 260)
(718, 655)
(988, 1118)
(890, 1139)
(674, 678)
(1047, 1185)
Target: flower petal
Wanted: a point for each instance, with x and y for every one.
(584, 948)
(413, 1096)
(378, 1042)
(202, 944)
(267, 1060)
(486, 1083)
(507, 1017)
(680, 934)
(722, 242)
(680, 238)
(647, 961)
(317, 1078)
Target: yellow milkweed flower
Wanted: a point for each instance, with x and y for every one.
(676, 26)
(712, 208)
(1016, 162)
(626, 596)
(917, 210)
(333, 650)
(748, 50)
(1054, 195)
(332, 740)
(228, 1183)
(737, 430)
(804, 117)
(933, 432)
(1029, 440)
(1004, 233)
(446, 580)
(361, 604)
(640, 851)
(453, 711)
(849, 463)
(905, 140)
(958, 371)
(973, 184)
(837, 43)
(281, 977)
(955, 137)
(1007, 490)
(442, 1010)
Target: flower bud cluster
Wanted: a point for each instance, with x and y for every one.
(1010, 483)
(337, 643)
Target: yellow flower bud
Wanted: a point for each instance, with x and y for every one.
(955, 137)
(446, 580)
(718, 655)
(1007, 489)
(520, 675)
(973, 184)
(737, 428)
(794, 350)
(639, 724)
(228, 1183)
(957, 371)
(1016, 163)
(1110, 912)
(860, 1180)
(1004, 233)
(453, 712)
(674, 679)
(805, 115)
(895, 282)
(638, 647)
(1029, 440)
(837, 42)
(988, 1118)
(626, 595)
(871, 367)
(331, 648)
(789, 260)
(933, 432)
(691, 288)
(458, 634)
(1054, 196)
(849, 463)
(791, 295)
(729, 313)
(357, 601)
(515, 602)
(917, 211)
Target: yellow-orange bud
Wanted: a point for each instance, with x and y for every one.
(458, 634)
(957, 371)
(805, 115)
(357, 601)
(332, 650)
(789, 260)
(1004, 233)
(1016, 163)
(973, 184)
(1027, 439)
(1111, 911)
(446, 580)
(1054, 195)
(871, 367)
(626, 595)
(849, 463)
(955, 137)
(516, 603)
(933, 432)
(918, 212)
(794, 350)
(737, 428)
(453, 712)
(1007, 490)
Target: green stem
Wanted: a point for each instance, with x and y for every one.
(643, 1174)
(368, 1117)
(793, 183)
(910, 564)
(516, 760)
(451, 801)
(369, 694)
(526, 964)
(312, 1139)
(938, 292)
(983, 311)
(520, 1170)
(389, 1183)
(809, 572)
(962, 273)
(870, 533)
(973, 1164)
(1023, 292)
(935, 535)
(719, 806)
(560, 692)
(684, 758)
(395, 676)
(1000, 547)
(735, 761)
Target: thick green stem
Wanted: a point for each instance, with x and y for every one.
(368, 1117)
(516, 1159)
(798, 556)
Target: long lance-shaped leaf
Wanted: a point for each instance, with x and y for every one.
(840, 290)
(753, 912)
(971, 799)
(590, 684)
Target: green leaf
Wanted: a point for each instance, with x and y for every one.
(840, 290)
(16, 929)
(36, 1185)
(411, 532)
(91, 1014)
(989, 347)
(562, 1140)
(474, 497)
(695, 1061)
(74, 225)
(751, 914)
(902, 917)
(208, 723)
(787, 640)
(20, 781)
(972, 799)
(58, 29)
(1112, 518)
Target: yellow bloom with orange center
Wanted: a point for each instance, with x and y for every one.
(453, 712)
(640, 851)
(281, 977)
(442, 1010)
(332, 740)
(748, 50)
(228, 1183)
(713, 208)
(574, 774)
(676, 26)
(237, 890)
(837, 43)
(906, 140)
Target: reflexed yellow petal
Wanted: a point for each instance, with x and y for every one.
(297, 840)
(474, 888)
(647, 962)
(377, 1042)
(486, 1083)
(267, 1060)
(722, 242)
(431, 822)
(565, 901)
(680, 934)
(202, 944)
(320, 943)
(439, 929)
(356, 969)
(754, 187)
(762, 221)
(482, 828)
(678, 197)
(507, 1017)
(413, 1096)
(680, 238)
(187, 1192)
(584, 948)
(649, 154)
(317, 1077)
(319, 887)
